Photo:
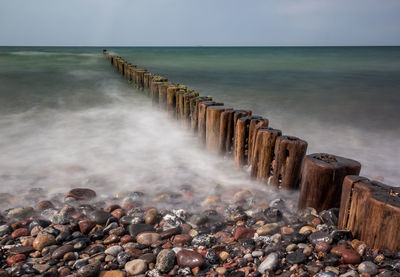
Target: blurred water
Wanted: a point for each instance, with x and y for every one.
(67, 119)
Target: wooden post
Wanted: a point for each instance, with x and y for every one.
(187, 107)
(179, 104)
(263, 153)
(171, 99)
(213, 124)
(155, 91)
(227, 128)
(195, 111)
(241, 143)
(289, 154)
(162, 93)
(321, 180)
(139, 76)
(254, 123)
(371, 211)
(147, 77)
(202, 118)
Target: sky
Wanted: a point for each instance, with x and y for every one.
(199, 22)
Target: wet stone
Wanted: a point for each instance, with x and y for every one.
(272, 215)
(123, 258)
(61, 251)
(331, 260)
(20, 212)
(148, 258)
(242, 232)
(5, 229)
(86, 225)
(212, 257)
(96, 249)
(135, 267)
(320, 236)
(350, 256)
(81, 194)
(165, 260)
(90, 270)
(203, 240)
(21, 250)
(270, 263)
(326, 274)
(43, 240)
(295, 258)
(367, 267)
(111, 239)
(187, 258)
(148, 238)
(135, 229)
(100, 217)
(113, 250)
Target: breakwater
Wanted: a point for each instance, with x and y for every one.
(278, 160)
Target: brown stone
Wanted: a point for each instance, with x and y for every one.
(44, 205)
(16, 259)
(286, 230)
(111, 208)
(112, 273)
(43, 240)
(151, 216)
(188, 258)
(183, 238)
(81, 194)
(338, 250)
(35, 230)
(21, 250)
(322, 247)
(126, 239)
(69, 256)
(27, 242)
(111, 239)
(86, 225)
(148, 238)
(118, 213)
(20, 232)
(60, 251)
(350, 256)
(243, 233)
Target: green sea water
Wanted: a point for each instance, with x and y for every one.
(66, 105)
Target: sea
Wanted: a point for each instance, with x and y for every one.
(67, 119)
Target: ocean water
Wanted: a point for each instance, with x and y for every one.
(67, 119)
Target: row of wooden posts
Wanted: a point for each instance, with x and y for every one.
(371, 210)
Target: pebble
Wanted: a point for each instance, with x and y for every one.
(90, 270)
(135, 229)
(188, 258)
(350, 256)
(100, 217)
(61, 251)
(20, 232)
(268, 229)
(81, 194)
(19, 258)
(114, 250)
(148, 238)
(150, 216)
(242, 232)
(112, 273)
(270, 263)
(257, 253)
(135, 267)
(20, 212)
(320, 236)
(43, 240)
(296, 258)
(165, 260)
(326, 274)
(367, 267)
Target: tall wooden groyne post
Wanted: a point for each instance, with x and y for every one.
(369, 209)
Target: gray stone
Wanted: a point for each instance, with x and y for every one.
(20, 212)
(90, 270)
(367, 267)
(165, 260)
(269, 263)
(114, 250)
(4, 230)
(351, 273)
(319, 236)
(326, 274)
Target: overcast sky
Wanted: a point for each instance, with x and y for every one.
(199, 22)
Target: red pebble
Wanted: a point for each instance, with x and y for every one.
(243, 233)
(20, 232)
(16, 259)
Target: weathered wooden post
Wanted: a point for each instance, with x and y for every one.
(162, 93)
(213, 124)
(263, 152)
(139, 76)
(321, 180)
(202, 118)
(195, 104)
(241, 143)
(147, 77)
(289, 154)
(227, 128)
(371, 211)
(254, 124)
(187, 109)
(171, 99)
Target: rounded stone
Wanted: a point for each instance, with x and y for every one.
(100, 216)
(90, 270)
(148, 238)
(16, 259)
(188, 258)
(351, 256)
(165, 260)
(270, 263)
(20, 232)
(136, 267)
(296, 258)
(86, 225)
(243, 233)
(61, 251)
(322, 247)
(114, 250)
(150, 216)
(81, 194)
(268, 229)
(368, 267)
(43, 240)
(135, 229)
